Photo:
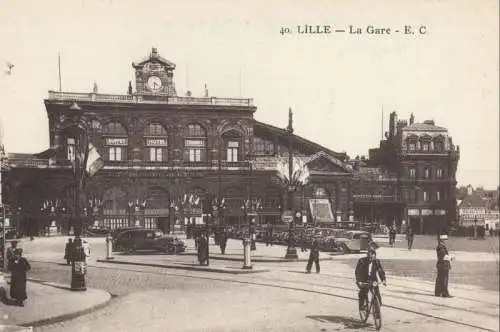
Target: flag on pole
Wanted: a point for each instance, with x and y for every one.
(94, 161)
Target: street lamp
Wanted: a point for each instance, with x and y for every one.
(292, 176)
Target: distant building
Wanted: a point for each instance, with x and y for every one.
(410, 178)
(479, 208)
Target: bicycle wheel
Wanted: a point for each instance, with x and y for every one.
(364, 312)
(377, 314)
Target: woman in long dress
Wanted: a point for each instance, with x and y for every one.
(19, 267)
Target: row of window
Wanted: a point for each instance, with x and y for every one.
(160, 154)
(412, 173)
(426, 144)
(427, 196)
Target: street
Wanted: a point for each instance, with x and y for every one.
(283, 299)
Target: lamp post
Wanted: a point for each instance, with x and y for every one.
(291, 251)
(4, 244)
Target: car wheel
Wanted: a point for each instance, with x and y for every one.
(345, 249)
(131, 250)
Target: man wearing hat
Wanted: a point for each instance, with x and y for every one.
(443, 267)
(313, 257)
(368, 270)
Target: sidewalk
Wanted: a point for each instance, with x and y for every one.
(49, 303)
(231, 262)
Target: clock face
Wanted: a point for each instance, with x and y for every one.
(154, 83)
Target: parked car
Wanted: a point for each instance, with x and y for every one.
(354, 241)
(133, 240)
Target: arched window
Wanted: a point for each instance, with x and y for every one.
(156, 142)
(425, 143)
(115, 141)
(411, 141)
(115, 128)
(195, 144)
(439, 144)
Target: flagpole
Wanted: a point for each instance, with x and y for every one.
(59, 66)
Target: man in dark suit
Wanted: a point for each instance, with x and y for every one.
(409, 237)
(367, 270)
(313, 257)
(443, 268)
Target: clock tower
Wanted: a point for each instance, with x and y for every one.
(154, 75)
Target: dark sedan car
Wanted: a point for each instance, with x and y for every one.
(133, 240)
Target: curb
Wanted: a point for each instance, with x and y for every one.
(189, 268)
(68, 316)
(257, 260)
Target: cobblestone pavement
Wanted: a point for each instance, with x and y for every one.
(284, 299)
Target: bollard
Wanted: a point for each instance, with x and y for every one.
(109, 247)
(247, 261)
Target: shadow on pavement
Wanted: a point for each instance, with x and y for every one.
(347, 322)
(4, 298)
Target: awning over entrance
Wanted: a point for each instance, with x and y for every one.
(321, 210)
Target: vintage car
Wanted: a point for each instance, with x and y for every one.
(354, 241)
(133, 240)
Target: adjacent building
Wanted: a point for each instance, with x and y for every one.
(410, 179)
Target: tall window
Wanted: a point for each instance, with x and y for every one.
(426, 196)
(115, 141)
(155, 154)
(194, 154)
(156, 142)
(115, 153)
(232, 151)
(71, 149)
(439, 144)
(412, 142)
(195, 143)
(438, 195)
(412, 172)
(425, 146)
(439, 173)
(427, 173)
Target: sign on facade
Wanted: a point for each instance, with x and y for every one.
(287, 216)
(116, 141)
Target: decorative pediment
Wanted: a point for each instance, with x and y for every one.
(323, 162)
(153, 62)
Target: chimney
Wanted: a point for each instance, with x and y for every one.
(412, 118)
(429, 122)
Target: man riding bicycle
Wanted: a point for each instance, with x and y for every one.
(366, 272)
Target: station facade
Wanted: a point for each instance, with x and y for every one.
(153, 159)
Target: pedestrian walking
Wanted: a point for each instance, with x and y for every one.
(313, 257)
(409, 237)
(67, 251)
(392, 235)
(443, 267)
(223, 241)
(203, 250)
(19, 268)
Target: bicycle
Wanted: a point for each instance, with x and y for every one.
(371, 305)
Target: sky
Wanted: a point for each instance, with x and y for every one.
(337, 84)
